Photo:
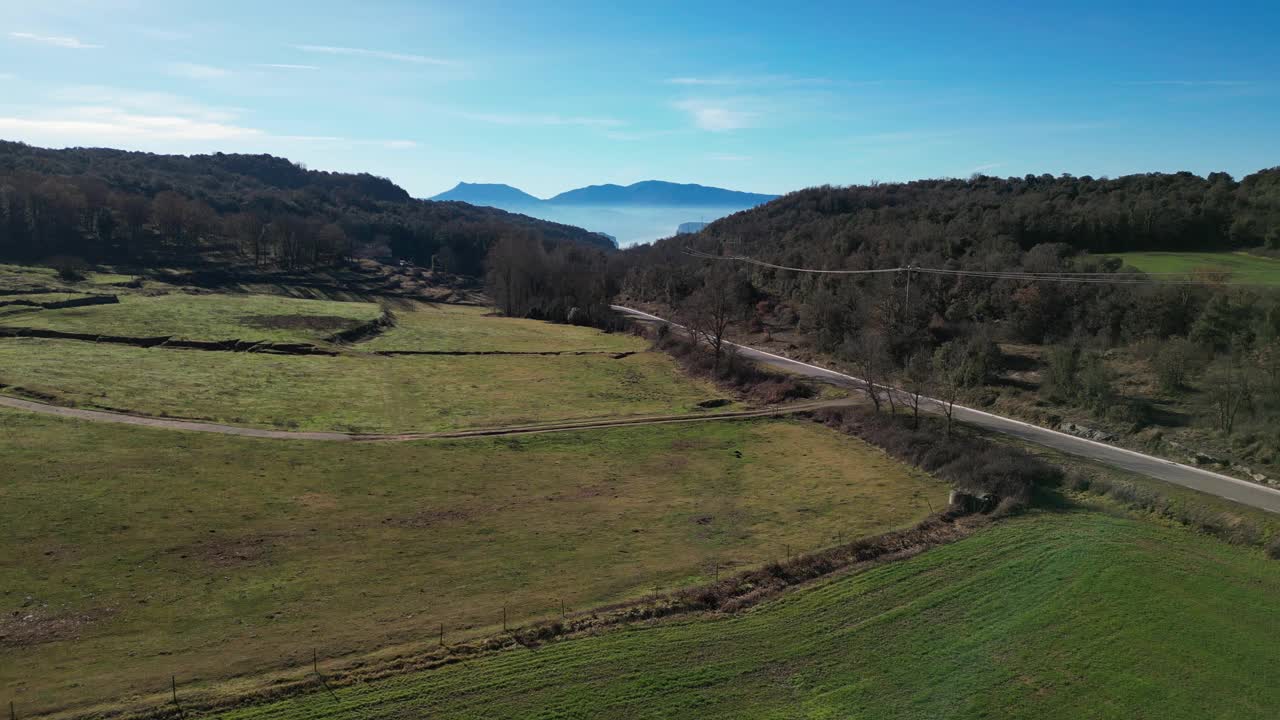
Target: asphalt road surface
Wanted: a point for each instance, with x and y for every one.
(1224, 486)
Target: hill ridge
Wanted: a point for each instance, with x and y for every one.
(644, 192)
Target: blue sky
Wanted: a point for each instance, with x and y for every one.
(547, 96)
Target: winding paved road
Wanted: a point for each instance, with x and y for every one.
(1224, 486)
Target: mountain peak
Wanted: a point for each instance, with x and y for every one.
(493, 194)
(660, 193)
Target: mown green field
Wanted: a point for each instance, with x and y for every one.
(1056, 615)
(133, 554)
(355, 392)
(267, 318)
(28, 276)
(465, 328)
(1242, 267)
(358, 391)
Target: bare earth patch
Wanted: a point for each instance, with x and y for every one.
(35, 626)
(229, 552)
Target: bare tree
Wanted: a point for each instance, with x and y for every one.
(916, 382)
(869, 353)
(168, 212)
(249, 230)
(949, 373)
(515, 264)
(710, 311)
(1230, 389)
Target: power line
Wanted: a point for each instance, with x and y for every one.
(1084, 278)
(761, 263)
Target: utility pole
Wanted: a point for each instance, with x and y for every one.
(908, 303)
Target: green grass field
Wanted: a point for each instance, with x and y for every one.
(1055, 615)
(357, 391)
(43, 297)
(437, 327)
(207, 317)
(351, 392)
(139, 553)
(1242, 267)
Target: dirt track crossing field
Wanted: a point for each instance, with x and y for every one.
(220, 429)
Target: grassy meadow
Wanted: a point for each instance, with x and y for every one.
(355, 392)
(1063, 614)
(1242, 267)
(132, 554)
(267, 318)
(469, 328)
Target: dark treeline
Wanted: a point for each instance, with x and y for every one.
(1138, 212)
(562, 282)
(941, 332)
(113, 206)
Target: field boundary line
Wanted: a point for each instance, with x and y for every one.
(151, 421)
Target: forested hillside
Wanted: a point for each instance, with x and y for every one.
(1199, 351)
(115, 206)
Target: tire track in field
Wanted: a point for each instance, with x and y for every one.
(105, 416)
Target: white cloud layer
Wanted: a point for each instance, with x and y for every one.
(95, 125)
(159, 122)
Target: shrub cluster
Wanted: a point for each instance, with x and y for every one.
(748, 588)
(975, 466)
(1220, 524)
(734, 372)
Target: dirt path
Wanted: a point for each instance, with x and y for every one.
(566, 426)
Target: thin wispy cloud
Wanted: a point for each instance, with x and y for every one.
(377, 54)
(156, 33)
(699, 81)
(717, 115)
(728, 157)
(287, 66)
(154, 120)
(985, 167)
(748, 80)
(142, 102)
(104, 125)
(902, 136)
(943, 135)
(61, 41)
(536, 119)
(1191, 83)
(196, 71)
(638, 135)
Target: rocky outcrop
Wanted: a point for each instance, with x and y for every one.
(1087, 433)
(365, 331)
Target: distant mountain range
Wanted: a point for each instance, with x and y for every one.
(635, 213)
(647, 193)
